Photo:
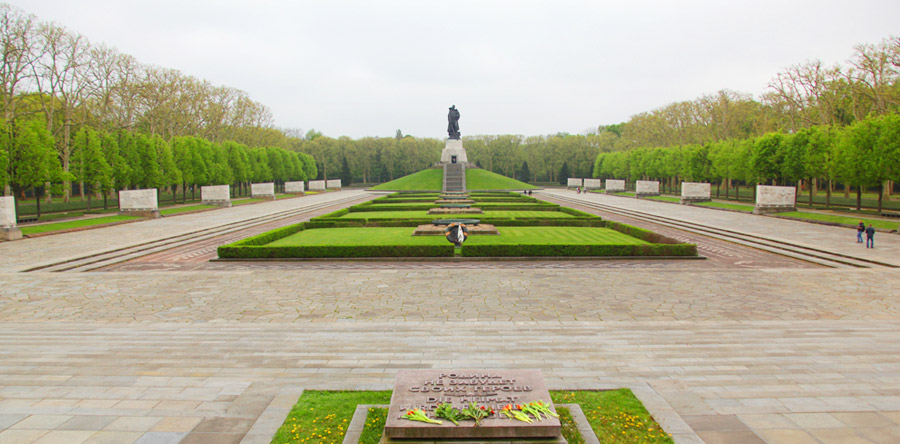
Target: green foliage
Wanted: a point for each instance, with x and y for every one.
(81, 223)
(30, 157)
(425, 180)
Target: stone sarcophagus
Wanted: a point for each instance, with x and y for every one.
(772, 199)
(615, 185)
(294, 187)
(574, 183)
(695, 192)
(333, 184)
(262, 190)
(139, 203)
(643, 188)
(219, 195)
(8, 229)
(317, 185)
(593, 184)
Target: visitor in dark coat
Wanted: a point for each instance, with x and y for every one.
(870, 236)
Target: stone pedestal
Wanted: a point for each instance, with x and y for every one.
(333, 184)
(294, 187)
(692, 192)
(317, 185)
(574, 183)
(219, 195)
(8, 229)
(454, 152)
(646, 188)
(262, 191)
(593, 184)
(141, 203)
(771, 199)
(615, 186)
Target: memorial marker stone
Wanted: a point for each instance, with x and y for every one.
(8, 229)
(262, 190)
(646, 188)
(771, 199)
(493, 389)
(695, 192)
(294, 187)
(216, 195)
(317, 185)
(593, 184)
(333, 184)
(574, 182)
(139, 203)
(615, 186)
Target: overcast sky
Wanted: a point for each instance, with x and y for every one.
(368, 68)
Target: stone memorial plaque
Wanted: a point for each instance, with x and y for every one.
(593, 184)
(333, 184)
(215, 193)
(317, 185)
(574, 182)
(138, 200)
(7, 212)
(294, 187)
(615, 185)
(262, 189)
(646, 188)
(695, 192)
(493, 389)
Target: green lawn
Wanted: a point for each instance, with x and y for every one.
(245, 201)
(555, 236)
(425, 180)
(322, 417)
(727, 206)
(851, 221)
(176, 210)
(666, 198)
(431, 180)
(424, 214)
(377, 236)
(34, 229)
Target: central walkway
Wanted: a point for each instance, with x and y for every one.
(790, 355)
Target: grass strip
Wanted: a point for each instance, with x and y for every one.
(35, 229)
(727, 206)
(666, 198)
(844, 220)
(177, 210)
(322, 417)
(246, 201)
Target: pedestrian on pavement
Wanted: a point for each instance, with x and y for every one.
(860, 229)
(870, 236)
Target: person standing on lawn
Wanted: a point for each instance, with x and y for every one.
(870, 236)
(860, 229)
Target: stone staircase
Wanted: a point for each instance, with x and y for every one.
(454, 177)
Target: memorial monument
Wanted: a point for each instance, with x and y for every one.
(8, 229)
(453, 158)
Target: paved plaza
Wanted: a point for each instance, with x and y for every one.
(219, 355)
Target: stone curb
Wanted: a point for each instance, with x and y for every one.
(262, 431)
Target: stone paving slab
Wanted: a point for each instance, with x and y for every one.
(835, 239)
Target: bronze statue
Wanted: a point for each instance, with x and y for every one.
(453, 125)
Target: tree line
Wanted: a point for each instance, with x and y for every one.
(84, 94)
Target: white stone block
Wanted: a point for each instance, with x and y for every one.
(317, 185)
(138, 200)
(294, 187)
(215, 194)
(695, 192)
(615, 185)
(646, 188)
(593, 184)
(772, 199)
(262, 189)
(7, 211)
(454, 148)
(574, 183)
(333, 184)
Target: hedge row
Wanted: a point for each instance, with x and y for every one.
(578, 250)
(642, 234)
(496, 221)
(331, 251)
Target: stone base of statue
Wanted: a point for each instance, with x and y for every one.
(454, 152)
(10, 233)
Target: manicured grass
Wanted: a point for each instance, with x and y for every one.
(245, 201)
(424, 214)
(477, 179)
(432, 178)
(624, 194)
(379, 236)
(727, 206)
(322, 417)
(425, 180)
(666, 198)
(34, 229)
(555, 236)
(850, 221)
(186, 209)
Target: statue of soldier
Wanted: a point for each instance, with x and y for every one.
(453, 122)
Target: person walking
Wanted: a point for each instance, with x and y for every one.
(870, 236)
(860, 229)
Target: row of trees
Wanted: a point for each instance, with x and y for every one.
(864, 154)
(48, 70)
(106, 161)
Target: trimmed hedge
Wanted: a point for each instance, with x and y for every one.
(577, 213)
(578, 250)
(356, 251)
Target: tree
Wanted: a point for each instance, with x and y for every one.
(30, 157)
(564, 173)
(524, 174)
(346, 177)
(90, 165)
(857, 164)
